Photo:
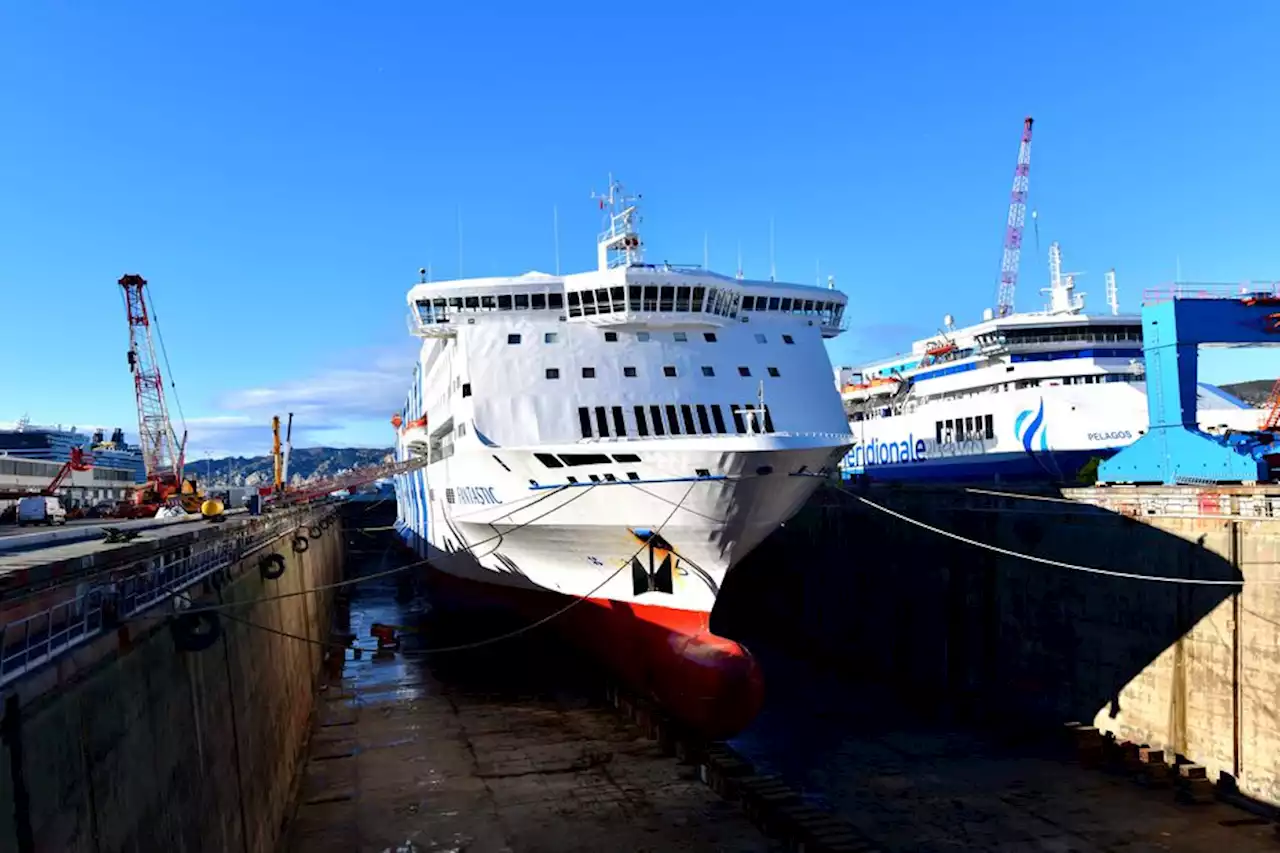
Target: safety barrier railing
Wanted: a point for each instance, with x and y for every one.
(1211, 290)
(31, 642)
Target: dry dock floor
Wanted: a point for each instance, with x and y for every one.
(490, 751)
(928, 786)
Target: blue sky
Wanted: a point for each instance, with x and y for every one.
(280, 171)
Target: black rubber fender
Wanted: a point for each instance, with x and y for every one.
(300, 544)
(314, 531)
(271, 567)
(195, 632)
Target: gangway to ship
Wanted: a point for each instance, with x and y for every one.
(1175, 322)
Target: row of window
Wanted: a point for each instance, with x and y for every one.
(968, 428)
(515, 338)
(696, 299)
(628, 372)
(437, 310)
(690, 298)
(683, 419)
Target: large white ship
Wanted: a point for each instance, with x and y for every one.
(1032, 396)
(623, 436)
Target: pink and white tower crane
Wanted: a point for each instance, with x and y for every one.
(1013, 230)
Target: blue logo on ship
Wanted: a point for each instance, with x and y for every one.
(1036, 425)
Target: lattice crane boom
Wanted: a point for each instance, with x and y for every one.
(1013, 229)
(161, 452)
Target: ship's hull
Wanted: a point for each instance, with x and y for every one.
(628, 569)
(1045, 434)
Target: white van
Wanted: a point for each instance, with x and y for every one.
(39, 509)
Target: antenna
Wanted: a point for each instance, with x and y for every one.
(1035, 224)
(555, 229)
(773, 270)
(459, 241)
(1113, 296)
(739, 260)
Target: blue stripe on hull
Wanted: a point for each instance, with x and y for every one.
(1002, 467)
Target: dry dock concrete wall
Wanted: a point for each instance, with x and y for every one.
(134, 745)
(1190, 664)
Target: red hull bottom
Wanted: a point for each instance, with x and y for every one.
(707, 682)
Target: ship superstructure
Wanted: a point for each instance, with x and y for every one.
(54, 444)
(626, 434)
(1027, 396)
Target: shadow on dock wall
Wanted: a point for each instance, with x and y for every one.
(1190, 668)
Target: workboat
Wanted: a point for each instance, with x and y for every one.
(1030, 396)
(604, 446)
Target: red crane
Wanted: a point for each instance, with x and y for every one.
(1013, 229)
(162, 453)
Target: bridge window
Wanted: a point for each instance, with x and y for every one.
(588, 373)
(619, 423)
(633, 292)
(699, 293)
(504, 302)
(669, 371)
(708, 370)
(555, 301)
(584, 421)
(616, 295)
(539, 301)
(703, 423)
(718, 417)
(786, 305)
(744, 371)
(773, 371)
(686, 411)
(666, 298)
(513, 339)
(553, 373)
(682, 298)
(773, 303)
(642, 427)
(575, 304)
(602, 421)
(748, 303)
(650, 297)
(656, 413)
(472, 302)
(588, 303)
(603, 303)
(629, 372)
(808, 306)
(673, 421)
(522, 301)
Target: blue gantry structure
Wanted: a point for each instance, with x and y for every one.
(1175, 451)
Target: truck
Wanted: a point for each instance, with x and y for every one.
(41, 509)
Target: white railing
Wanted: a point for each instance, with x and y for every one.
(105, 599)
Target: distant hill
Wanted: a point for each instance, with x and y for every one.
(305, 464)
(1255, 392)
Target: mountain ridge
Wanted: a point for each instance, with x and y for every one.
(306, 464)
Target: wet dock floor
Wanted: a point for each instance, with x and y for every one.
(500, 749)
